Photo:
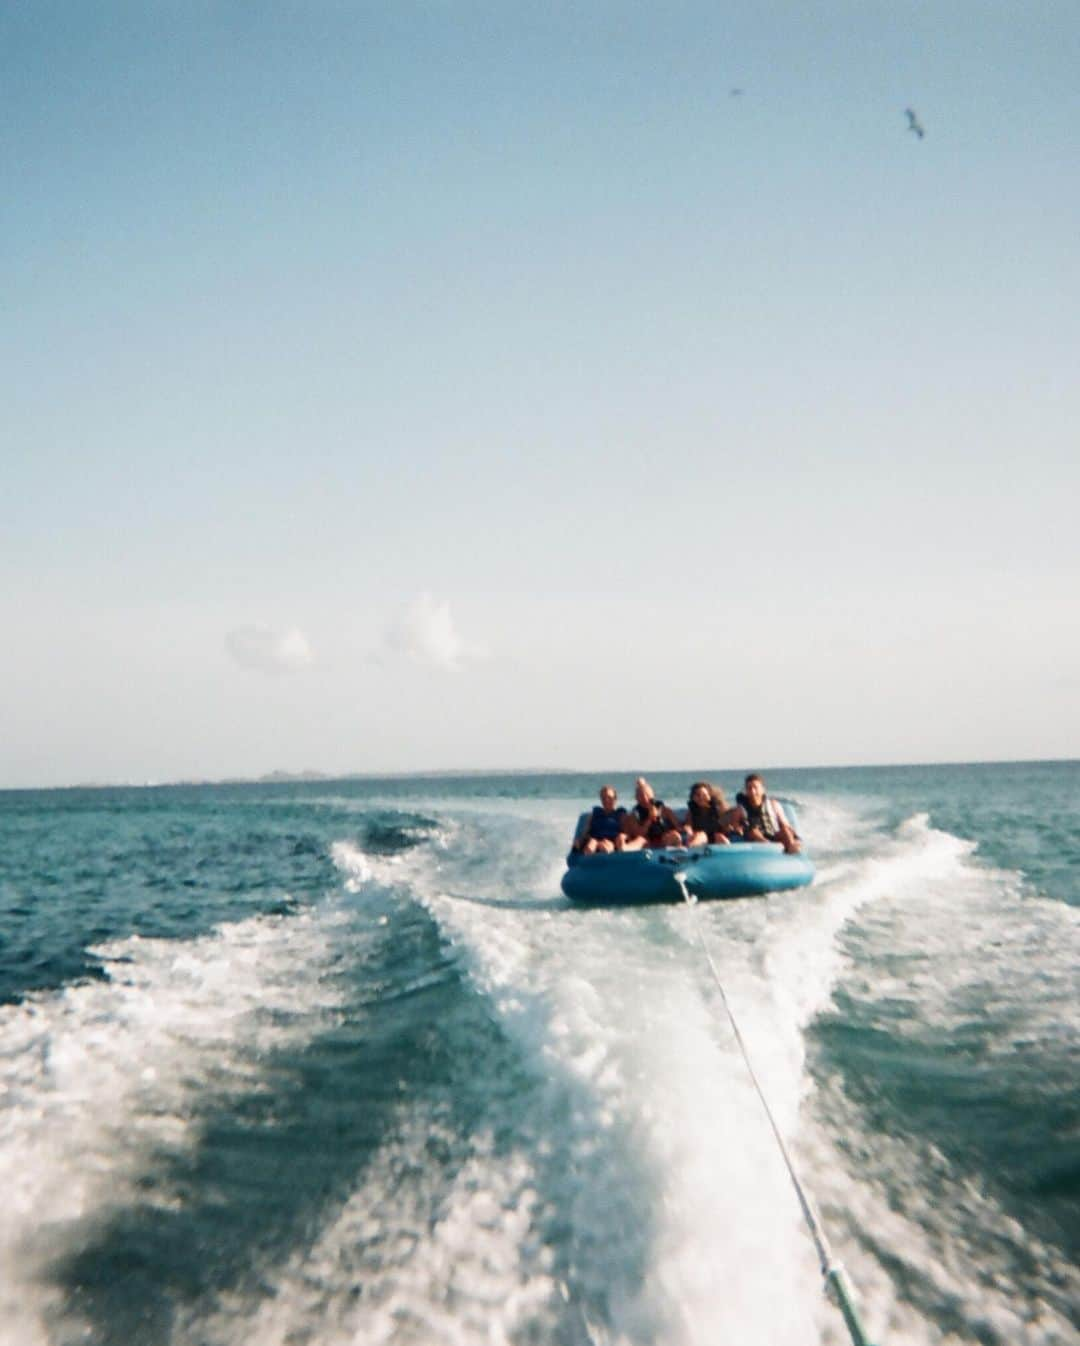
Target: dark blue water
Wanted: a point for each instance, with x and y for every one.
(334, 1061)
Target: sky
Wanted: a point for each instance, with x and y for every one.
(417, 386)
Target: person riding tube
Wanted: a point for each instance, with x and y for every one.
(763, 819)
(650, 822)
(709, 820)
(602, 832)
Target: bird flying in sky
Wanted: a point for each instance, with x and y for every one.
(913, 123)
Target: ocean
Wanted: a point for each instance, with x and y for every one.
(327, 1062)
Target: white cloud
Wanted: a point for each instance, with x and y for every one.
(265, 651)
(425, 633)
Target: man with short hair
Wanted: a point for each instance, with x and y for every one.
(602, 832)
(765, 820)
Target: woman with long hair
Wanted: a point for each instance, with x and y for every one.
(708, 817)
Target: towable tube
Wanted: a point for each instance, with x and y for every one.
(743, 869)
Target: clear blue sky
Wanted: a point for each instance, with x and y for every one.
(391, 386)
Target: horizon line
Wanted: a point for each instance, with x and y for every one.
(308, 777)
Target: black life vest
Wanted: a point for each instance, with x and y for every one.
(708, 818)
(654, 825)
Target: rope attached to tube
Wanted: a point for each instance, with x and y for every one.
(832, 1271)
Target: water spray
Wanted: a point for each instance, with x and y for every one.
(837, 1284)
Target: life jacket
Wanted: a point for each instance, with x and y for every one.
(655, 827)
(606, 826)
(763, 819)
(708, 818)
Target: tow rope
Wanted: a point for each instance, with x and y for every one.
(832, 1271)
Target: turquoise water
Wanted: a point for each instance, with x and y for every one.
(335, 1061)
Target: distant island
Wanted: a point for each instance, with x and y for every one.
(307, 777)
(285, 777)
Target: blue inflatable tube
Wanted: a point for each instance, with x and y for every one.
(743, 869)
